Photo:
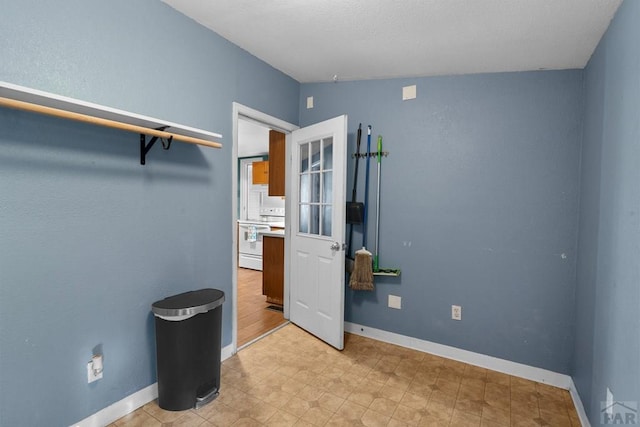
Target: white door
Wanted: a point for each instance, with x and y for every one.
(318, 185)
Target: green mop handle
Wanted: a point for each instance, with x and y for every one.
(378, 159)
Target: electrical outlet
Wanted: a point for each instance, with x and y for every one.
(91, 375)
(395, 302)
(456, 312)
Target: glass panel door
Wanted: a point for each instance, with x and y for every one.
(316, 187)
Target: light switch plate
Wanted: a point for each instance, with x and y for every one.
(309, 102)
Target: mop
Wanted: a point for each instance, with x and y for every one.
(362, 276)
(377, 271)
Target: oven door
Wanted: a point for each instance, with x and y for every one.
(250, 245)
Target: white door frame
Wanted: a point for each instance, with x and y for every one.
(251, 114)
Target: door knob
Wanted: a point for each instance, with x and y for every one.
(335, 246)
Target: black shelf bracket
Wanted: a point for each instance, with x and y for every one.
(370, 154)
(145, 147)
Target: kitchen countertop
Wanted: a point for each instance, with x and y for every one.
(278, 224)
(276, 233)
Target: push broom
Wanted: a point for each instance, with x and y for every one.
(362, 276)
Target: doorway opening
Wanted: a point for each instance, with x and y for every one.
(258, 218)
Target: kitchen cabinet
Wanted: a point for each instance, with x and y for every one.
(277, 163)
(260, 173)
(273, 269)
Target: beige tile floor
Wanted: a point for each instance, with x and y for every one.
(292, 379)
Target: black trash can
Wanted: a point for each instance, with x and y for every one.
(188, 341)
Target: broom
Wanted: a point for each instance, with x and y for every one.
(362, 276)
(355, 210)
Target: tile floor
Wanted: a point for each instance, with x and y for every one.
(292, 379)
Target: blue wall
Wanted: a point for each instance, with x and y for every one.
(482, 179)
(607, 349)
(88, 237)
(480, 198)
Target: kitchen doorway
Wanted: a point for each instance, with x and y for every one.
(258, 218)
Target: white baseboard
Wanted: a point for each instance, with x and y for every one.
(121, 408)
(577, 402)
(226, 352)
(132, 402)
(477, 359)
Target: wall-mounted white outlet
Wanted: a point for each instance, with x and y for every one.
(395, 302)
(94, 369)
(309, 102)
(456, 312)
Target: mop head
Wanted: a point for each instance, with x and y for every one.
(362, 276)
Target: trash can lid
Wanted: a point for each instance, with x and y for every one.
(188, 303)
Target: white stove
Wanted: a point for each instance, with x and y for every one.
(250, 243)
(250, 233)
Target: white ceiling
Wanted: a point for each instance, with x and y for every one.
(313, 40)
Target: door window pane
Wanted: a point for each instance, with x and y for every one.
(315, 155)
(314, 226)
(327, 187)
(315, 187)
(326, 220)
(305, 188)
(304, 158)
(304, 219)
(327, 153)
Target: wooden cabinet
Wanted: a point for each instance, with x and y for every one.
(273, 269)
(272, 171)
(260, 173)
(276, 174)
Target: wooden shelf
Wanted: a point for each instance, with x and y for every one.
(23, 98)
